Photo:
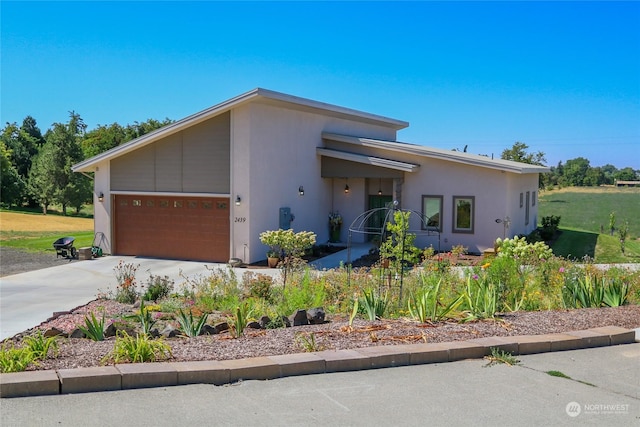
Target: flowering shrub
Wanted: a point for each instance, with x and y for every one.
(126, 291)
(519, 249)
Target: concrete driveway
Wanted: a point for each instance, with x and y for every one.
(27, 299)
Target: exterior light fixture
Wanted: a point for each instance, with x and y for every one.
(346, 189)
(380, 187)
(101, 197)
(238, 200)
(301, 190)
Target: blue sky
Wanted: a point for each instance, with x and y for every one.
(562, 77)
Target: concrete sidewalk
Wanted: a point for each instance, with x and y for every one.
(27, 299)
(603, 390)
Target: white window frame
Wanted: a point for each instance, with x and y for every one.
(454, 225)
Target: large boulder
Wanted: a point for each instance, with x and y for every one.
(299, 318)
(316, 316)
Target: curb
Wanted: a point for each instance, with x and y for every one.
(163, 374)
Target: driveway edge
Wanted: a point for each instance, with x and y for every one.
(162, 374)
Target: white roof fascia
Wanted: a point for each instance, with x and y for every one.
(437, 153)
(295, 102)
(368, 160)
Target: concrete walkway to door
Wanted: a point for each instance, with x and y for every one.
(27, 299)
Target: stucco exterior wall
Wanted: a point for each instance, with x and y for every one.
(273, 154)
(102, 210)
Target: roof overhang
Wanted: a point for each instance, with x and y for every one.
(257, 95)
(437, 153)
(367, 160)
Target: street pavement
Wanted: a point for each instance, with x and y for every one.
(27, 299)
(603, 390)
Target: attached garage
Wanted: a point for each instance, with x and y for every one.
(191, 228)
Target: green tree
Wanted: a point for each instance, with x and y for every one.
(518, 153)
(575, 171)
(40, 184)
(594, 177)
(626, 174)
(12, 186)
(102, 138)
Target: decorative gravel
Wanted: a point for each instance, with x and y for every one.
(335, 334)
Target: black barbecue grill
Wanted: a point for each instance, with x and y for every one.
(64, 247)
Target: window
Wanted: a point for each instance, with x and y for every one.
(137, 202)
(521, 200)
(150, 203)
(526, 211)
(177, 203)
(463, 212)
(432, 213)
(533, 198)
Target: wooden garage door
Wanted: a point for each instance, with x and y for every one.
(189, 228)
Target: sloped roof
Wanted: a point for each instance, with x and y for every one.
(441, 154)
(258, 94)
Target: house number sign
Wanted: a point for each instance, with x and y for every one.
(240, 219)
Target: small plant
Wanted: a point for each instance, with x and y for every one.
(39, 345)
(239, 320)
(15, 359)
(481, 299)
(458, 250)
(500, 356)
(354, 312)
(374, 305)
(188, 325)
(584, 292)
(616, 292)
(138, 349)
(612, 222)
(427, 306)
(158, 287)
(308, 342)
(623, 233)
(550, 226)
(258, 286)
(126, 292)
(558, 374)
(145, 318)
(94, 328)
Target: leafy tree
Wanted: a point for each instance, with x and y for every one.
(104, 137)
(575, 171)
(609, 171)
(40, 184)
(594, 177)
(518, 153)
(626, 174)
(12, 185)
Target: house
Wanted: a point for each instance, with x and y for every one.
(204, 188)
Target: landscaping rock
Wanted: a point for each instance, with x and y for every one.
(110, 331)
(264, 321)
(299, 318)
(209, 330)
(169, 332)
(286, 321)
(221, 327)
(53, 332)
(77, 333)
(316, 316)
(254, 325)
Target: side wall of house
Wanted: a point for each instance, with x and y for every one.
(102, 210)
(273, 154)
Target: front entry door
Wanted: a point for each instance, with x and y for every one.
(376, 221)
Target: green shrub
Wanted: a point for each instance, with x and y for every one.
(480, 299)
(257, 286)
(93, 328)
(126, 291)
(138, 349)
(15, 359)
(188, 325)
(39, 345)
(158, 287)
(549, 226)
(374, 305)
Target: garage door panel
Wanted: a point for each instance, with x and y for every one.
(178, 228)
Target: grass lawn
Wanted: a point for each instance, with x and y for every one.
(583, 211)
(37, 232)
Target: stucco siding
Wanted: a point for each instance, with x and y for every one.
(195, 160)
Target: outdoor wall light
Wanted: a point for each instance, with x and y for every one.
(101, 197)
(301, 190)
(238, 200)
(346, 189)
(379, 187)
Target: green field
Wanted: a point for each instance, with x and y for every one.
(584, 223)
